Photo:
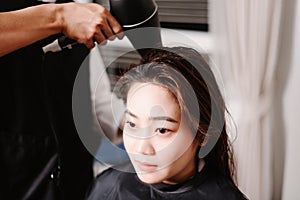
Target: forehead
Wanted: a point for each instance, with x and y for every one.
(149, 98)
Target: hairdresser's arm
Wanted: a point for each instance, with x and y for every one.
(82, 22)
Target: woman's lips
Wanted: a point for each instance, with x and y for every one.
(146, 167)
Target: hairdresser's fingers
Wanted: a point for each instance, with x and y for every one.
(111, 21)
(100, 38)
(107, 31)
(89, 44)
(114, 24)
(120, 35)
(87, 39)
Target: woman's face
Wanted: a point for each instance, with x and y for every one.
(159, 142)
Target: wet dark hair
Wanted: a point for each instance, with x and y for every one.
(181, 70)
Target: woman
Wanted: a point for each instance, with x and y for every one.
(174, 132)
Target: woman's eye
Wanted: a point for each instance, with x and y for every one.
(163, 130)
(131, 124)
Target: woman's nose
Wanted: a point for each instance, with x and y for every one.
(145, 147)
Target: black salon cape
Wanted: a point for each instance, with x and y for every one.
(205, 185)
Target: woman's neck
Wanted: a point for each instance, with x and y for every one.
(188, 173)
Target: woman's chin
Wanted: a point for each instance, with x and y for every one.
(149, 178)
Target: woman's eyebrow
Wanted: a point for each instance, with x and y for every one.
(162, 118)
(130, 113)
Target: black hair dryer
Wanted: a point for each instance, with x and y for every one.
(136, 14)
(132, 15)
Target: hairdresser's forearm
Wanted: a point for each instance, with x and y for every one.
(85, 23)
(23, 27)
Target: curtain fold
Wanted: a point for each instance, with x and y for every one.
(246, 47)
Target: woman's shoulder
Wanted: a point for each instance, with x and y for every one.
(108, 174)
(217, 186)
(114, 183)
(100, 190)
(107, 183)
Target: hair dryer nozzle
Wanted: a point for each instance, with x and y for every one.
(136, 14)
(130, 12)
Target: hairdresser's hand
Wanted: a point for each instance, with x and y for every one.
(88, 23)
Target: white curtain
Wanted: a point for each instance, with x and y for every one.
(246, 45)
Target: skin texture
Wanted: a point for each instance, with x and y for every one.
(85, 23)
(159, 142)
